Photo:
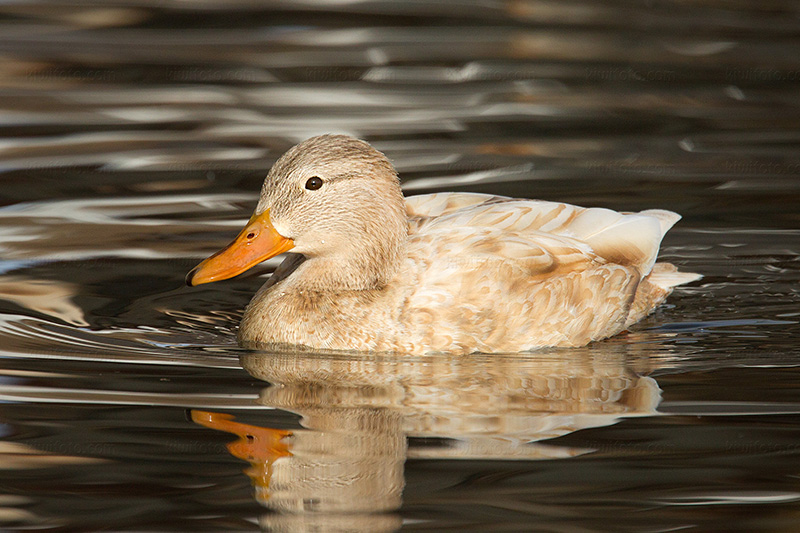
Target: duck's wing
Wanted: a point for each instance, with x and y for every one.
(450, 251)
(488, 273)
(627, 239)
(442, 203)
(488, 289)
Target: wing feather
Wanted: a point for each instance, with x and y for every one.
(625, 239)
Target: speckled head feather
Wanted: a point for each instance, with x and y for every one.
(323, 155)
(355, 223)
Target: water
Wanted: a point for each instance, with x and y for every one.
(134, 140)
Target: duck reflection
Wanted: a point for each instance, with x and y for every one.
(344, 470)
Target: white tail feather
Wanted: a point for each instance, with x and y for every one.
(667, 219)
(666, 276)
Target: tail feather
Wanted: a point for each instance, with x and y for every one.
(655, 288)
(667, 219)
(667, 276)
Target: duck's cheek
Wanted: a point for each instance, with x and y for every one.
(313, 247)
(302, 246)
(281, 229)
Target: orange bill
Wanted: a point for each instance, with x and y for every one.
(258, 241)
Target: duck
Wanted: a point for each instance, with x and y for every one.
(369, 270)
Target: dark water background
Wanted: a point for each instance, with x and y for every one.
(133, 140)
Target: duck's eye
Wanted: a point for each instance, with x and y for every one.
(314, 183)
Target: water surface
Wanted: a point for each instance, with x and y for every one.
(134, 140)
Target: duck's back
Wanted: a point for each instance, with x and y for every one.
(496, 274)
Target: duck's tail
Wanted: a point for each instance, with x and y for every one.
(666, 276)
(655, 288)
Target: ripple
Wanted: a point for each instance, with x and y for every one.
(134, 140)
(23, 336)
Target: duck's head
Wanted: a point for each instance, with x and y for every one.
(331, 198)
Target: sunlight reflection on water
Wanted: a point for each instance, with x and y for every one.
(135, 139)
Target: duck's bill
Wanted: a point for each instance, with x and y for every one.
(258, 241)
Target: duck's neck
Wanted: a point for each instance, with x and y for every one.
(336, 274)
(365, 264)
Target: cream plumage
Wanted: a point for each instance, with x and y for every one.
(448, 272)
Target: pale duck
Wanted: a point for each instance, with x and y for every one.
(370, 270)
